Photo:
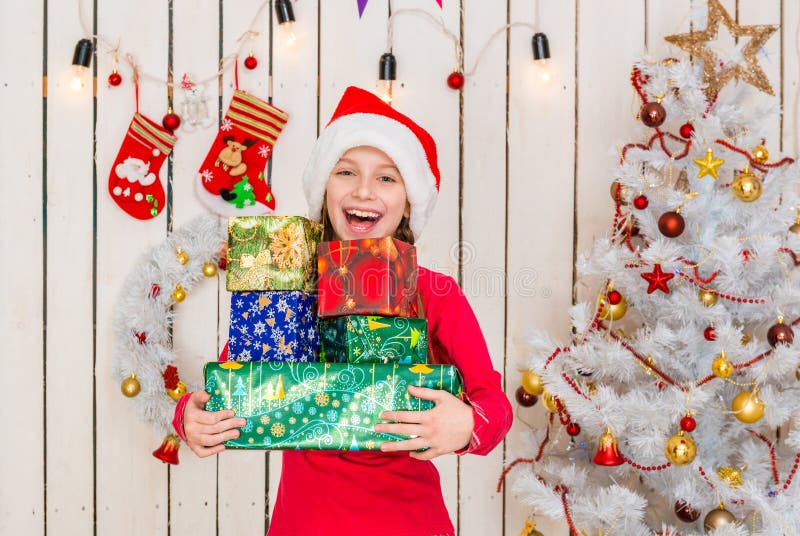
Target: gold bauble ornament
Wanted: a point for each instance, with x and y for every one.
(209, 269)
(130, 386)
(718, 517)
(178, 294)
(760, 154)
(731, 475)
(549, 401)
(721, 367)
(707, 298)
(747, 186)
(532, 383)
(530, 529)
(747, 406)
(609, 311)
(680, 449)
(617, 189)
(795, 228)
(182, 257)
(178, 392)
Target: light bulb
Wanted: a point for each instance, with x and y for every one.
(289, 37)
(543, 67)
(78, 77)
(385, 91)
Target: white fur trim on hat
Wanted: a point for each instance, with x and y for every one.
(390, 136)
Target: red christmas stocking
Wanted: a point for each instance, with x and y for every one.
(231, 180)
(134, 183)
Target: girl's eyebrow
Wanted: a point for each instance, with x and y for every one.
(350, 161)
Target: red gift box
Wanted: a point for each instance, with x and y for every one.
(372, 276)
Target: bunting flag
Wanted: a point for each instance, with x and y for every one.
(362, 4)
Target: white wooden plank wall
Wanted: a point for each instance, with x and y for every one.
(525, 174)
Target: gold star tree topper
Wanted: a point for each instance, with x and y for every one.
(696, 43)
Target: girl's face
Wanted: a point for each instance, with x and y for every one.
(365, 195)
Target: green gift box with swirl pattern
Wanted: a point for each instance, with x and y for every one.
(272, 253)
(319, 406)
(373, 339)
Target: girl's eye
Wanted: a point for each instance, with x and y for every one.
(344, 172)
(386, 178)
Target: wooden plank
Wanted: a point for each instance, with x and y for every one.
(484, 245)
(242, 475)
(766, 12)
(131, 484)
(791, 77)
(542, 146)
(294, 83)
(424, 59)
(193, 483)
(22, 485)
(70, 213)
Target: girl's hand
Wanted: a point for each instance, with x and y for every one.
(445, 428)
(206, 430)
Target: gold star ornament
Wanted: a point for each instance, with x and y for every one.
(708, 165)
(696, 43)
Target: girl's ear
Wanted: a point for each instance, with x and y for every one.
(407, 211)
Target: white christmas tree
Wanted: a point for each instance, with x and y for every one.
(678, 391)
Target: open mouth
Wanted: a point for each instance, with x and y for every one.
(361, 221)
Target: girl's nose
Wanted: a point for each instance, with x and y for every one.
(364, 188)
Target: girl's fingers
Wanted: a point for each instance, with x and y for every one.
(227, 424)
(203, 452)
(425, 455)
(211, 440)
(399, 428)
(408, 444)
(404, 416)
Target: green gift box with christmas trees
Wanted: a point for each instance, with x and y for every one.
(319, 406)
(272, 253)
(373, 339)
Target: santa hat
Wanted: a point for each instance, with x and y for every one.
(363, 119)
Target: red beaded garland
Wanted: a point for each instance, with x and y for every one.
(688, 424)
(114, 79)
(455, 80)
(710, 333)
(573, 429)
(251, 62)
(686, 130)
(641, 202)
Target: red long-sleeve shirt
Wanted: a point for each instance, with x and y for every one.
(391, 494)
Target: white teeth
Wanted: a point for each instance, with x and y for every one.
(363, 214)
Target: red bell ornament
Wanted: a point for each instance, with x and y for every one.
(607, 450)
(168, 451)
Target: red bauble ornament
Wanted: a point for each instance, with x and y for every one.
(524, 398)
(455, 80)
(222, 263)
(641, 202)
(171, 121)
(652, 114)
(251, 62)
(573, 429)
(710, 333)
(686, 130)
(688, 424)
(686, 513)
(114, 79)
(614, 297)
(671, 224)
(657, 280)
(780, 333)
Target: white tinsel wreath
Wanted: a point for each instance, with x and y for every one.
(145, 307)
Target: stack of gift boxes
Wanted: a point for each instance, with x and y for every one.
(315, 371)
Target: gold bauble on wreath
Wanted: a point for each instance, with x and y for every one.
(178, 294)
(549, 401)
(747, 406)
(707, 297)
(680, 449)
(718, 517)
(532, 383)
(130, 386)
(209, 269)
(609, 311)
(178, 392)
(530, 529)
(747, 186)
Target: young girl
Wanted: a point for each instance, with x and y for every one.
(373, 173)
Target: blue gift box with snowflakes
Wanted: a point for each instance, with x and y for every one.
(273, 326)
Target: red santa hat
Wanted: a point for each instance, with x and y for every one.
(363, 119)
